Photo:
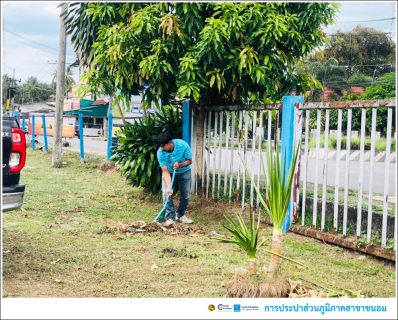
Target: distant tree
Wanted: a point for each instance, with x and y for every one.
(4, 86)
(365, 50)
(382, 88)
(359, 79)
(330, 74)
(69, 81)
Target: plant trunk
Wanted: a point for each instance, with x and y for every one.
(200, 112)
(276, 247)
(120, 109)
(252, 267)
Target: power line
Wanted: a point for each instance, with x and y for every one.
(366, 20)
(359, 34)
(27, 44)
(40, 44)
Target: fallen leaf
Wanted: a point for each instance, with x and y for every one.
(185, 280)
(195, 235)
(58, 281)
(145, 286)
(95, 265)
(181, 292)
(77, 268)
(300, 267)
(58, 260)
(222, 284)
(201, 290)
(154, 266)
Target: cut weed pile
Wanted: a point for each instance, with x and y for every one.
(84, 232)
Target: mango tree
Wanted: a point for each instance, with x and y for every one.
(212, 53)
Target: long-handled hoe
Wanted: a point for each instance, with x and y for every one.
(161, 214)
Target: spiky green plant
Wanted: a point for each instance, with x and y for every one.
(136, 149)
(276, 200)
(246, 237)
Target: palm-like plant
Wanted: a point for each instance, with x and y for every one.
(245, 237)
(278, 185)
(68, 81)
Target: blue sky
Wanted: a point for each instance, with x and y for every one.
(30, 33)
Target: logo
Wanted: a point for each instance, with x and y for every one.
(211, 307)
(224, 307)
(236, 307)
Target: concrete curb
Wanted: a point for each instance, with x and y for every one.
(354, 155)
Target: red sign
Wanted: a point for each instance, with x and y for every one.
(75, 104)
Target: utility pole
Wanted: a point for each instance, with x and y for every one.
(59, 99)
(10, 93)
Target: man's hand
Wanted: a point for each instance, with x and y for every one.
(176, 166)
(168, 192)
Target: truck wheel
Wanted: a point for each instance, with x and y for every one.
(66, 144)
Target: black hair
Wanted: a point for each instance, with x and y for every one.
(164, 138)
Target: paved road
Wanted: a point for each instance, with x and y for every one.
(354, 170)
(92, 145)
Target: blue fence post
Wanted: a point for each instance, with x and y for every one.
(287, 144)
(81, 137)
(43, 117)
(33, 133)
(110, 126)
(186, 122)
(23, 122)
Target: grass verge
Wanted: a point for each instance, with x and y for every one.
(72, 239)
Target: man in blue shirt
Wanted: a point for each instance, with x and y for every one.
(175, 154)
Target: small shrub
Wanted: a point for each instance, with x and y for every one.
(380, 144)
(355, 143)
(333, 143)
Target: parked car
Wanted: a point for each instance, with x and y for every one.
(14, 157)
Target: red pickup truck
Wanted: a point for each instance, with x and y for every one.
(14, 157)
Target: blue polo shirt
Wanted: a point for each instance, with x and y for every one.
(181, 152)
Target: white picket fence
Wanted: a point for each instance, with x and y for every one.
(230, 131)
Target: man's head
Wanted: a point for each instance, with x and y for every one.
(164, 141)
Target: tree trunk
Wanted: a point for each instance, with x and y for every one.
(252, 267)
(120, 109)
(199, 146)
(276, 247)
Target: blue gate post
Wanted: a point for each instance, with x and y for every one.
(186, 122)
(81, 137)
(287, 145)
(109, 148)
(23, 122)
(33, 133)
(43, 117)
